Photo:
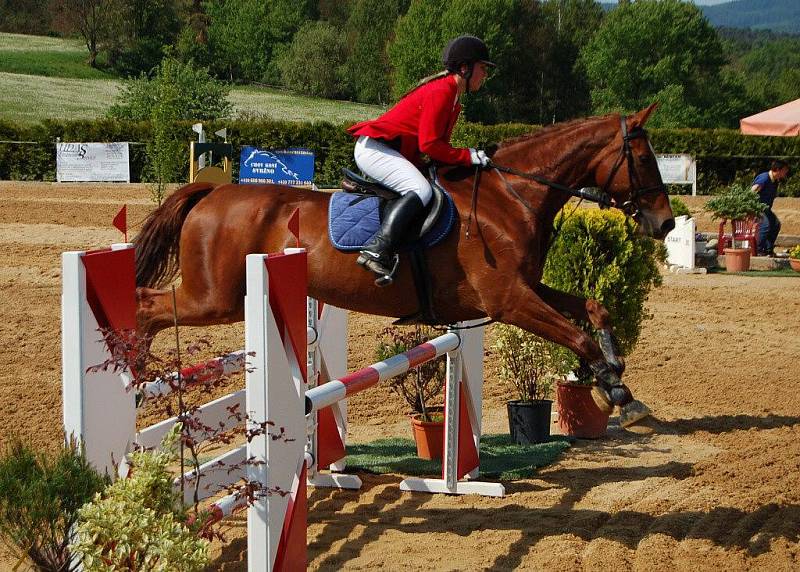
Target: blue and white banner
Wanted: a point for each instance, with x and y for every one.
(293, 166)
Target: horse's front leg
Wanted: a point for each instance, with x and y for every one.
(592, 311)
(586, 310)
(528, 310)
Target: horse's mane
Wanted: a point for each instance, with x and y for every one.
(551, 131)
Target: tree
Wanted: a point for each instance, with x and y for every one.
(367, 30)
(246, 36)
(415, 51)
(512, 30)
(91, 19)
(313, 63)
(570, 25)
(24, 16)
(660, 50)
(139, 31)
(773, 72)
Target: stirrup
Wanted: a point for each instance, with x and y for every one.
(367, 260)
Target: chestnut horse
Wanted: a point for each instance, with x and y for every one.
(493, 271)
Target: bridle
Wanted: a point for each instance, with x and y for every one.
(631, 207)
(600, 196)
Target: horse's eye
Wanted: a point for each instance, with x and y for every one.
(645, 158)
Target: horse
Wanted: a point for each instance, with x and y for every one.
(492, 272)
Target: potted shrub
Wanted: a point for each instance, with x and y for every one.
(599, 255)
(419, 387)
(525, 363)
(737, 203)
(794, 258)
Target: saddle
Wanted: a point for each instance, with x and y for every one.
(356, 184)
(431, 227)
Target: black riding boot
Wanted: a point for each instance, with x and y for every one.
(379, 255)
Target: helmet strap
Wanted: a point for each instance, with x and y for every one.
(467, 75)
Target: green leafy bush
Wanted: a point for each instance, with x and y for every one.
(526, 362)
(313, 63)
(736, 203)
(679, 207)
(600, 255)
(197, 96)
(39, 501)
(794, 252)
(138, 523)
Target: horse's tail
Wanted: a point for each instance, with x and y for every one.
(158, 243)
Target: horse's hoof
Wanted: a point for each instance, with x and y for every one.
(633, 412)
(602, 399)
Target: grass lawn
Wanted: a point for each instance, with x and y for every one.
(30, 98)
(48, 78)
(39, 55)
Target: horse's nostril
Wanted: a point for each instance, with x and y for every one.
(668, 225)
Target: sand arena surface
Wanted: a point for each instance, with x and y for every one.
(712, 483)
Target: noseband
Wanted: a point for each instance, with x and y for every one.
(631, 207)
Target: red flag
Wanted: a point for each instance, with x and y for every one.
(294, 225)
(121, 221)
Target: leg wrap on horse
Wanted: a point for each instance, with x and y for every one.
(608, 344)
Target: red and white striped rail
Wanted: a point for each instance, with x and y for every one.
(335, 390)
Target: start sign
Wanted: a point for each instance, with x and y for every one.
(293, 166)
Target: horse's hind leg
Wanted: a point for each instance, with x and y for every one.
(156, 311)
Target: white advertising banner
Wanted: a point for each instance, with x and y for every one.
(678, 170)
(92, 162)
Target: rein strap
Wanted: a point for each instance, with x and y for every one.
(586, 193)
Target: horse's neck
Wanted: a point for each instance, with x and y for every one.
(567, 156)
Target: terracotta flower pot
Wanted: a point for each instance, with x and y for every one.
(737, 259)
(429, 437)
(795, 264)
(578, 416)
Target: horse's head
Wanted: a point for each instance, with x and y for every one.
(628, 173)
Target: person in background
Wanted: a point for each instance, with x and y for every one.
(389, 149)
(766, 186)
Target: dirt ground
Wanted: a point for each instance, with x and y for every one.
(712, 482)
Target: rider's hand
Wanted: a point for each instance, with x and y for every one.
(479, 157)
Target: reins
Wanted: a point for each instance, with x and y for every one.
(594, 195)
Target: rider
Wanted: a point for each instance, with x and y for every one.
(389, 148)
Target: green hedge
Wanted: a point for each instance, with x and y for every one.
(724, 156)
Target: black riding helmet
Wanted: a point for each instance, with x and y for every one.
(465, 50)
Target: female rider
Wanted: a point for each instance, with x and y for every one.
(389, 148)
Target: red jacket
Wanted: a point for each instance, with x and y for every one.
(424, 121)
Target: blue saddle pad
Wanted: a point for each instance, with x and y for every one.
(353, 221)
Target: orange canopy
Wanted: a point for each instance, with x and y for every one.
(781, 120)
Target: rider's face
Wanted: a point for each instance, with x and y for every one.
(479, 73)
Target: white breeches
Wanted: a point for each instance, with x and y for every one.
(387, 166)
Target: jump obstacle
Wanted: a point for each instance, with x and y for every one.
(98, 292)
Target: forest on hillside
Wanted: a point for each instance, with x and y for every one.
(557, 59)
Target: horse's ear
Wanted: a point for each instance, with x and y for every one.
(639, 119)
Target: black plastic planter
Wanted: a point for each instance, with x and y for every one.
(529, 421)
